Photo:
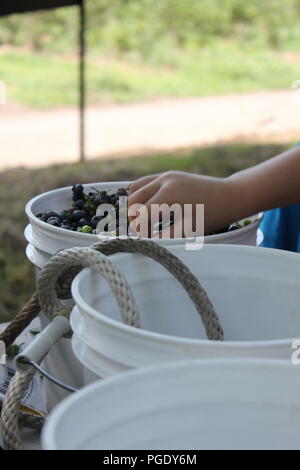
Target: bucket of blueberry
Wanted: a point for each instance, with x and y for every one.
(68, 217)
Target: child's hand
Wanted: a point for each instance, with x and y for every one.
(220, 197)
(271, 184)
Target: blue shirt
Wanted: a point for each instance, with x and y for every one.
(281, 228)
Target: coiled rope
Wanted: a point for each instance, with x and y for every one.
(54, 284)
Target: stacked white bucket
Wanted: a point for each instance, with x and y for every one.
(217, 404)
(255, 292)
(250, 289)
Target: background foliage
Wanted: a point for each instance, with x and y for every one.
(144, 26)
(140, 49)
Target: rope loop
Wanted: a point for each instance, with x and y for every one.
(56, 278)
(83, 258)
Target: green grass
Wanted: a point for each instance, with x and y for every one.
(19, 185)
(49, 80)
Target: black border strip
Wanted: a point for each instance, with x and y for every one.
(7, 7)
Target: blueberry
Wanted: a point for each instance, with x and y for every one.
(78, 214)
(95, 220)
(86, 207)
(77, 189)
(64, 214)
(50, 213)
(41, 217)
(122, 192)
(82, 222)
(106, 199)
(102, 199)
(97, 200)
(77, 192)
(79, 203)
(114, 199)
(232, 227)
(54, 221)
(66, 227)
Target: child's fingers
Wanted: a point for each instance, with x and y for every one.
(145, 218)
(142, 195)
(141, 222)
(136, 185)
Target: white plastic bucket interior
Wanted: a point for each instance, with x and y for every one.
(50, 239)
(226, 404)
(255, 292)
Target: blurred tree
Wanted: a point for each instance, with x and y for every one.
(122, 26)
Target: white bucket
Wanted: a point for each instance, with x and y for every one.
(255, 292)
(49, 239)
(190, 405)
(45, 240)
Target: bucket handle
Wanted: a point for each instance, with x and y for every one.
(95, 258)
(60, 266)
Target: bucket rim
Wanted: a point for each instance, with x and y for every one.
(120, 380)
(163, 338)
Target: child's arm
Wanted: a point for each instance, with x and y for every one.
(271, 184)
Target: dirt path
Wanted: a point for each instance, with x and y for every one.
(37, 138)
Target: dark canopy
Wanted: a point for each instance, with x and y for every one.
(20, 6)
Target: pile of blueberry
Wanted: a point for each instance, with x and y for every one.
(81, 216)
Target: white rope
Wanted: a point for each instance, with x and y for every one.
(58, 267)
